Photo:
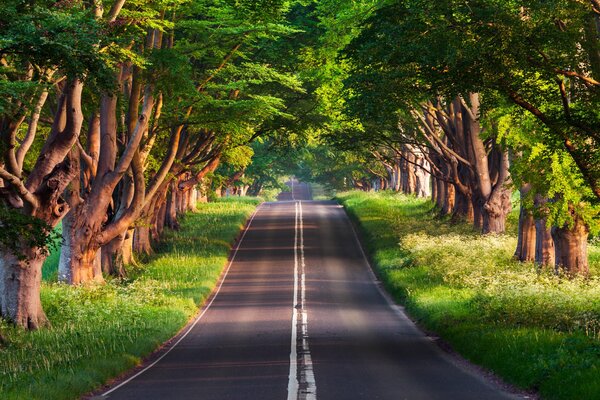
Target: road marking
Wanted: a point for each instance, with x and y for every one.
(293, 376)
(308, 385)
(301, 383)
(237, 247)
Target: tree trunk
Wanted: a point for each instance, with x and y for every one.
(78, 262)
(193, 199)
(526, 244)
(544, 244)
(449, 199)
(477, 214)
(423, 178)
(463, 207)
(495, 211)
(83, 267)
(20, 282)
(441, 194)
(171, 215)
(112, 257)
(434, 192)
(127, 248)
(571, 248)
(397, 178)
(411, 177)
(141, 240)
(525, 251)
(161, 219)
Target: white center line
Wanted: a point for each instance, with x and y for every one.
(308, 385)
(301, 383)
(293, 376)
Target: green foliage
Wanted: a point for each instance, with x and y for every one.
(19, 232)
(547, 169)
(524, 52)
(534, 329)
(99, 332)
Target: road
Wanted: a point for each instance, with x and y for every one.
(300, 316)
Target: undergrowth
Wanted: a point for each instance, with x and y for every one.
(100, 331)
(537, 330)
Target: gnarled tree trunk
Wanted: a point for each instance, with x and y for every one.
(20, 282)
(496, 210)
(112, 257)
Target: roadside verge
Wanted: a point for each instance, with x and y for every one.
(99, 332)
(532, 329)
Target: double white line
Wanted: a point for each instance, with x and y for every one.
(301, 383)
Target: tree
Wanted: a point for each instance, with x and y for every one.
(40, 49)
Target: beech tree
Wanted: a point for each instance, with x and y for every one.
(539, 57)
(40, 51)
(144, 103)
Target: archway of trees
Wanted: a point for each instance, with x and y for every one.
(118, 116)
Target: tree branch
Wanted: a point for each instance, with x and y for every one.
(19, 186)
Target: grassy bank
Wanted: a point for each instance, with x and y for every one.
(536, 330)
(101, 331)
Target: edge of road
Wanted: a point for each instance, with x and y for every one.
(165, 348)
(442, 347)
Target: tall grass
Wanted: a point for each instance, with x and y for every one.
(101, 331)
(537, 330)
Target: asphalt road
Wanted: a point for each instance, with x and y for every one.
(300, 316)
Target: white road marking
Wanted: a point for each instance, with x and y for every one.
(293, 376)
(237, 247)
(301, 383)
(307, 376)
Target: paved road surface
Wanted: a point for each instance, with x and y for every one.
(299, 317)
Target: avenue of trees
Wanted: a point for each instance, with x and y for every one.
(117, 116)
(483, 98)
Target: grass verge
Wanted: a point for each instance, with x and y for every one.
(536, 330)
(99, 332)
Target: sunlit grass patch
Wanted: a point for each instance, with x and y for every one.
(537, 330)
(100, 331)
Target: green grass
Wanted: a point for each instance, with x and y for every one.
(101, 331)
(536, 330)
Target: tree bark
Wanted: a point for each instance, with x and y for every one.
(544, 244)
(570, 244)
(463, 207)
(171, 214)
(449, 199)
(20, 282)
(495, 211)
(113, 263)
(525, 251)
(141, 240)
(526, 243)
(441, 194)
